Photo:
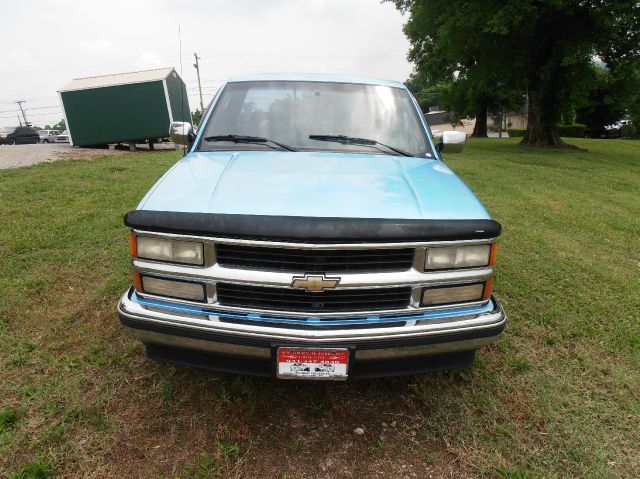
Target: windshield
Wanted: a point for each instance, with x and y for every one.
(290, 111)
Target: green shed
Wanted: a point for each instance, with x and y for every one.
(124, 108)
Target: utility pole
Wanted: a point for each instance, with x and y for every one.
(506, 125)
(501, 123)
(24, 117)
(197, 67)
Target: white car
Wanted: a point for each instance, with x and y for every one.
(62, 137)
(48, 136)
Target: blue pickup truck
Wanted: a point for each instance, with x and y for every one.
(312, 231)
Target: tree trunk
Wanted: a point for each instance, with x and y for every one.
(541, 125)
(480, 128)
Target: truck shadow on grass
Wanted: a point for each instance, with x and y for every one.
(297, 426)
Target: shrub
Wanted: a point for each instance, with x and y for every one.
(630, 131)
(569, 131)
(572, 131)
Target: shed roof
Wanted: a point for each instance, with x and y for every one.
(117, 79)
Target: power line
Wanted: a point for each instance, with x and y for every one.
(207, 81)
(31, 108)
(43, 107)
(30, 99)
(196, 89)
(305, 56)
(33, 114)
(88, 66)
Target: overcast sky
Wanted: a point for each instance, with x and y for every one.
(47, 43)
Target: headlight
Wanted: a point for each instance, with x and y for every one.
(161, 249)
(173, 288)
(465, 293)
(451, 257)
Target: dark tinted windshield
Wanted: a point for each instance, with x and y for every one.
(290, 111)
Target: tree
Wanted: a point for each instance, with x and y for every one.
(61, 125)
(196, 117)
(450, 52)
(427, 95)
(609, 100)
(562, 40)
(634, 115)
(466, 98)
(546, 46)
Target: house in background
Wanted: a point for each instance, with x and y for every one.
(441, 120)
(518, 119)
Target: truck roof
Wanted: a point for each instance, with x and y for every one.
(320, 77)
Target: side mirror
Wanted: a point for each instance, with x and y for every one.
(452, 141)
(181, 133)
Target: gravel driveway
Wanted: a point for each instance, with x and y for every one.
(15, 156)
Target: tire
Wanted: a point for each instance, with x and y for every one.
(10, 141)
(45, 141)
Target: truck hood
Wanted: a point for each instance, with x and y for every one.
(316, 184)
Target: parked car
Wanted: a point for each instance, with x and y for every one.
(619, 129)
(62, 137)
(17, 135)
(313, 221)
(47, 136)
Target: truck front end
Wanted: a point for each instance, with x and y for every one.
(312, 232)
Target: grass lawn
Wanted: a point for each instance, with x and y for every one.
(558, 396)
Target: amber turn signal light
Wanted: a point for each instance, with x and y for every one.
(133, 244)
(493, 254)
(488, 287)
(137, 282)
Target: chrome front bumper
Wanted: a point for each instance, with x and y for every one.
(447, 333)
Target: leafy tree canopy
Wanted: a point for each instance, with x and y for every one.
(610, 98)
(61, 125)
(494, 48)
(196, 117)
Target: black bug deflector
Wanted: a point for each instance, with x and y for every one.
(311, 229)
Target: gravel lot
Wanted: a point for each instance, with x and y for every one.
(16, 156)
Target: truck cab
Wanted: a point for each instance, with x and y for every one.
(312, 231)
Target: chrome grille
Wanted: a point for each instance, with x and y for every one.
(285, 299)
(314, 261)
(316, 325)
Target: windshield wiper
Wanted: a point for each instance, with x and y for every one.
(248, 139)
(352, 140)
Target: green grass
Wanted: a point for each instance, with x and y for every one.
(558, 396)
(35, 470)
(8, 417)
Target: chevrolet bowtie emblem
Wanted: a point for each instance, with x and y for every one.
(314, 283)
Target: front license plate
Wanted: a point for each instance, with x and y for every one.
(303, 363)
